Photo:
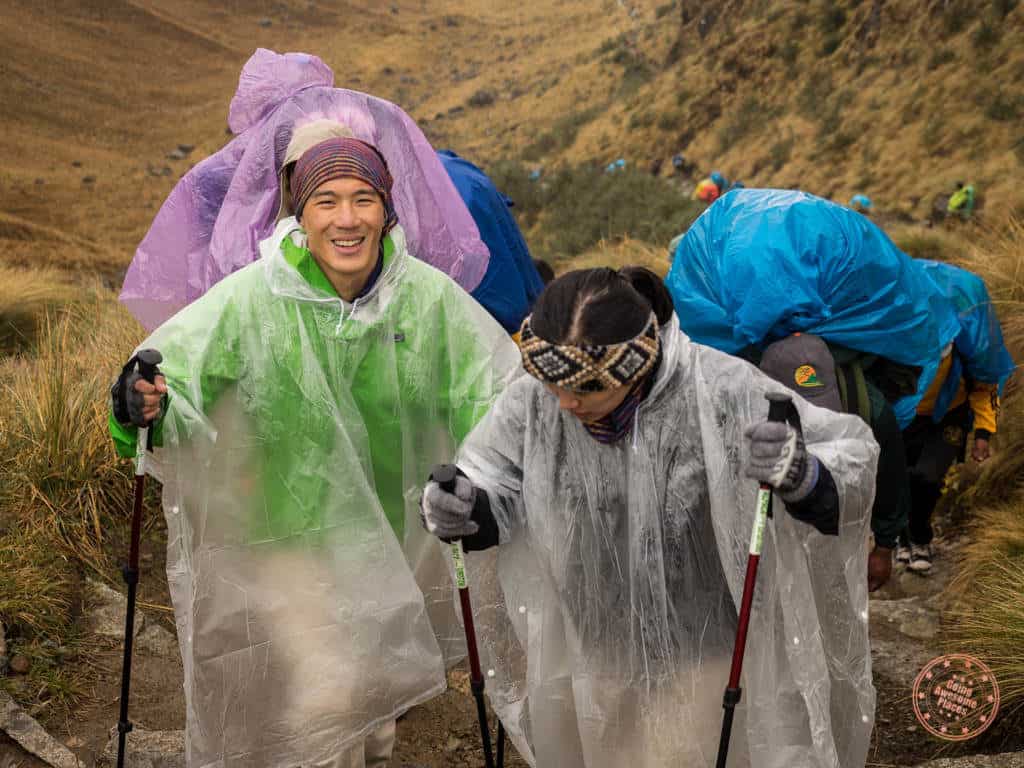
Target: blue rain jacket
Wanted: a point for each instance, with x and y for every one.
(979, 351)
(761, 264)
(511, 283)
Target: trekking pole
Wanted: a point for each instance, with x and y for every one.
(778, 408)
(444, 475)
(148, 359)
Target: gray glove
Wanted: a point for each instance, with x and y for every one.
(778, 457)
(447, 515)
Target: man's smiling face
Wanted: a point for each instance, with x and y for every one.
(344, 222)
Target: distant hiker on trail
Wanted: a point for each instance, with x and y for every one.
(301, 401)
(511, 283)
(682, 166)
(961, 202)
(963, 398)
(619, 481)
(214, 219)
(710, 189)
(762, 265)
(861, 203)
(706, 191)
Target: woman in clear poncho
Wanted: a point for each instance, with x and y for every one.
(307, 395)
(615, 480)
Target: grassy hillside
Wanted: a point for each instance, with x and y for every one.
(895, 98)
(111, 101)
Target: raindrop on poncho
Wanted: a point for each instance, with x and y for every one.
(621, 567)
(213, 220)
(761, 264)
(298, 432)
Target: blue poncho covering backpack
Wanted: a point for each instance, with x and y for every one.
(511, 283)
(979, 351)
(761, 264)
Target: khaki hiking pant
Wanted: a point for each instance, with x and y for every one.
(374, 752)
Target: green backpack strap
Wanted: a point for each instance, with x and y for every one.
(853, 389)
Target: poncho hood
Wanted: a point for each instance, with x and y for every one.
(217, 214)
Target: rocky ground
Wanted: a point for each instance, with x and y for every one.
(906, 633)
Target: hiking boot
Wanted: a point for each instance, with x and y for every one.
(902, 554)
(920, 558)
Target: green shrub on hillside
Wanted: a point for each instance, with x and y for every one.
(781, 151)
(572, 208)
(985, 36)
(748, 117)
(562, 134)
(939, 57)
(1003, 107)
(817, 88)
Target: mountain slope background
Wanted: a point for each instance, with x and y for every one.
(894, 98)
(108, 102)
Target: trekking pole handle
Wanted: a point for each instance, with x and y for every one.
(444, 475)
(779, 404)
(149, 359)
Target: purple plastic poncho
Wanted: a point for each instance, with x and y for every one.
(215, 217)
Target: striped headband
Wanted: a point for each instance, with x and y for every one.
(590, 367)
(337, 158)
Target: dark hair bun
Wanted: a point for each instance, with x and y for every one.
(651, 287)
(599, 306)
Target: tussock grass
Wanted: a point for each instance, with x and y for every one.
(937, 244)
(25, 297)
(986, 616)
(64, 496)
(626, 252)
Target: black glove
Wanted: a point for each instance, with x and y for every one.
(126, 401)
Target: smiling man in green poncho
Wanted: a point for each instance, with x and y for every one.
(301, 401)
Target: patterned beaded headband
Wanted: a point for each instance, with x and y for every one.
(590, 367)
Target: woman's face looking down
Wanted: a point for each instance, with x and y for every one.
(588, 406)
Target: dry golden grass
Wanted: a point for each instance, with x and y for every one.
(626, 252)
(987, 613)
(64, 496)
(25, 296)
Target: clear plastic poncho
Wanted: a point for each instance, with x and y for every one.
(298, 431)
(610, 631)
(216, 216)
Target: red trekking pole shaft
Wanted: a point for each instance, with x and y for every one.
(444, 475)
(778, 407)
(148, 359)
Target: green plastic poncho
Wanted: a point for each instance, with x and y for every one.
(609, 633)
(298, 430)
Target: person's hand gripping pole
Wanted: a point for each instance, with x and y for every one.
(779, 408)
(147, 361)
(446, 475)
